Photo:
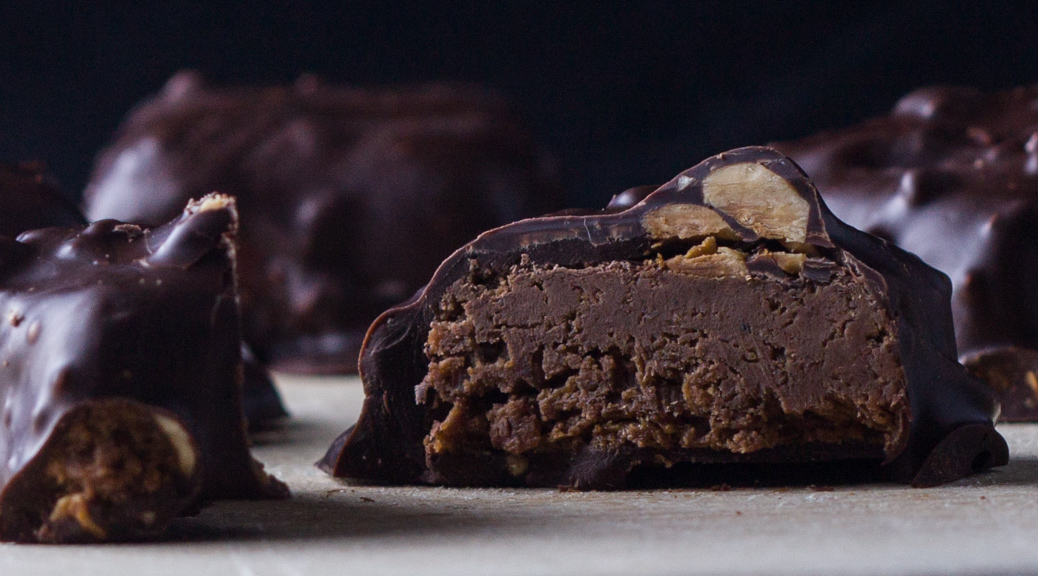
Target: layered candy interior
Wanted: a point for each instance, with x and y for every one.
(111, 470)
(725, 348)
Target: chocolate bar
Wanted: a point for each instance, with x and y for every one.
(726, 317)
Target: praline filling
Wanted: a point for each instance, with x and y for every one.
(111, 470)
(729, 347)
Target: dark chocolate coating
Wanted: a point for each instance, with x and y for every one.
(116, 311)
(951, 432)
(29, 200)
(349, 198)
(952, 176)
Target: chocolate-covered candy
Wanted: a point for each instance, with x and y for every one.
(952, 176)
(120, 374)
(726, 317)
(29, 200)
(349, 198)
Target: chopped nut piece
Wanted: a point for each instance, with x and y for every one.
(725, 263)
(74, 506)
(187, 454)
(707, 246)
(212, 202)
(517, 465)
(758, 199)
(801, 248)
(1032, 381)
(686, 221)
(790, 263)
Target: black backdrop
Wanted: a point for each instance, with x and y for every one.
(620, 92)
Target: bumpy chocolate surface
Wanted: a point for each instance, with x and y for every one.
(121, 375)
(952, 176)
(727, 317)
(29, 200)
(349, 198)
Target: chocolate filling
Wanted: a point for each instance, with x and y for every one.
(545, 360)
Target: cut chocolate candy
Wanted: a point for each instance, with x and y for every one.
(29, 200)
(350, 198)
(952, 176)
(726, 317)
(121, 375)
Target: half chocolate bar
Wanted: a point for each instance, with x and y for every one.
(121, 375)
(726, 317)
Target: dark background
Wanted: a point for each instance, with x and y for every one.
(620, 92)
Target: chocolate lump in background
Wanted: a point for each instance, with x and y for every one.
(349, 198)
(121, 378)
(952, 176)
(727, 317)
(29, 200)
